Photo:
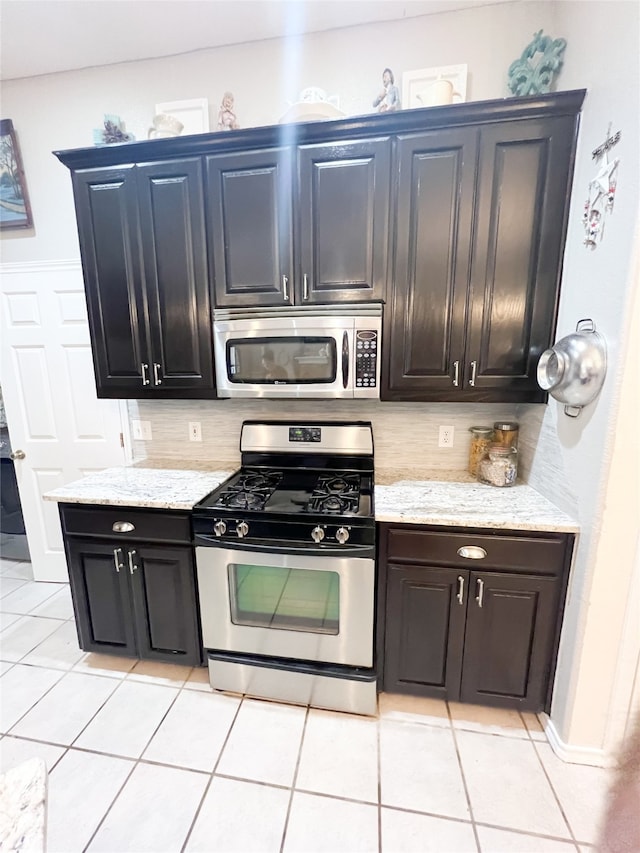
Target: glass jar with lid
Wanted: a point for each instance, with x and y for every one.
(506, 432)
(499, 466)
(481, 438)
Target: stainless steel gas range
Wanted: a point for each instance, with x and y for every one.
(285, 553)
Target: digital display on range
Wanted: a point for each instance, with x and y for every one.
(305, 434)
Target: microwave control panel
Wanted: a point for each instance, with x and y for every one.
(366, 358)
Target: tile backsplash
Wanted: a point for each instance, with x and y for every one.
(405, 434)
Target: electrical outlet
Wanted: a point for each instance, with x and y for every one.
(445, 436)
(141, 430)
(195, 431)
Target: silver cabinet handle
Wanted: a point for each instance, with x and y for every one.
(305, 287)
(480, 588)
(17, 454)
(472, 552)
(456, 373)
(460, 595)
(145, 377)
(156, 373)
(133, 567)
(285, 288)
(117, 558)
(474, 368)
(123, 527)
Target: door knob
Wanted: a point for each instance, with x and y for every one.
(18, 454)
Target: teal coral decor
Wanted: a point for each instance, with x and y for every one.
(525, 78)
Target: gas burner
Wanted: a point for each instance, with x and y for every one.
(251, 481)
(332, 504)
(245, 500)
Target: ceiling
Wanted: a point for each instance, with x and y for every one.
(46, 36)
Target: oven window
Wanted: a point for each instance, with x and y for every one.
(294, 360)
(292, 599)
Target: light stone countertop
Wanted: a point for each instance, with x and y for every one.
(449, 498)
(157, 488)
(469, 504)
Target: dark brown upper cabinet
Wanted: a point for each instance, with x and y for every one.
(480, 230)
(142, 242)
(299, 225)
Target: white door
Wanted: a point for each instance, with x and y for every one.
(48, 386)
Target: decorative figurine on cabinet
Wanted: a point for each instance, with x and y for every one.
(534, 72)
(389, 98)
(226, 115)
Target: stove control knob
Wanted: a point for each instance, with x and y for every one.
(317, 534)
(342, 534)
(219, 528)
(242, 528)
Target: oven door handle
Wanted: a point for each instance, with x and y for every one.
(280, 548)
(345, 359)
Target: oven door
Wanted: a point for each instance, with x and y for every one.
(305, 607)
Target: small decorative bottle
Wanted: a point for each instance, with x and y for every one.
(481, 438)
(499, 467)
(506, 432)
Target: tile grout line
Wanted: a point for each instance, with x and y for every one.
(464, 780)
(135, 761)
(294, 780)
(211, 777)
(555, 793)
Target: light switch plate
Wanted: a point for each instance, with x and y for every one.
(195, 431)
(141, 430)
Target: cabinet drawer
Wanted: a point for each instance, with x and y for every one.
(541, 554)
(148, 525)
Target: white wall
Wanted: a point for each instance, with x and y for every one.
(59, 111)
(599, 284)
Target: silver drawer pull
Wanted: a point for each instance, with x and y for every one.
(472, 552)
(480, 588)
(460, 595)
(117, 558)
(123, 527)
(133, 567)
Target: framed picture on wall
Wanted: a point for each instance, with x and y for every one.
(15, 210)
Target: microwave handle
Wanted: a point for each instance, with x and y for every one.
(345, 359)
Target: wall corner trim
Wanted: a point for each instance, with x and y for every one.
(573, 754)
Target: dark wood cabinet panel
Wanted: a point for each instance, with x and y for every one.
(101, 596)
(425, 630)
(165, 599)
(142, 241)
(452, 631)
(131, 597)
(343, 199)
(106, 210)
(509, 638)
(170, 197)
(249, 197)
(425, 328)
(470, 315)
(522, 201)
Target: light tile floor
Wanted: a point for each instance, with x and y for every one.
(143, 756)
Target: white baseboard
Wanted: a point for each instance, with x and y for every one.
(573, 754)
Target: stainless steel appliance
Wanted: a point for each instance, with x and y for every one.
(308, 351)
(285, 554)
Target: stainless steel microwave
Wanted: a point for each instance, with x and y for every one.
(308, 351)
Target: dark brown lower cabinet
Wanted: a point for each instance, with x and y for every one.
(130, 597)
(483, 636)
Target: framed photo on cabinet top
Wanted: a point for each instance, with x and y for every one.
(15, 210)
(193, 114)
(434, 87)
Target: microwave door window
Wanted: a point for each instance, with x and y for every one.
(295, 360)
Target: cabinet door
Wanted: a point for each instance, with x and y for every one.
(172, 232)
(102, 602)
(249, 198)
(163, 581)
(524, 178)
(106, 210)
(424, 630)
(343, 195)
(425, 319)
(511, 621)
